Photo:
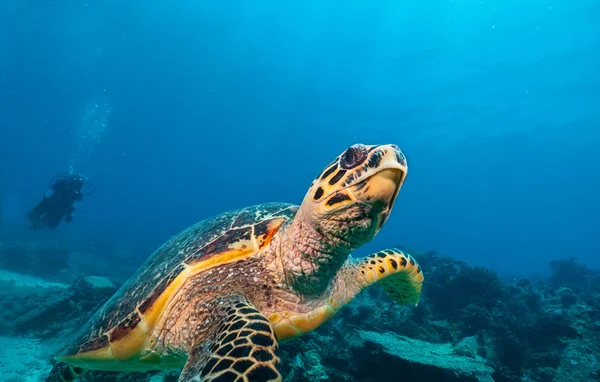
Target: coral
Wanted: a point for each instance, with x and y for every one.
(306, 365)
(19, 300)
(434, 361)
(525, 330)
(478, 285)
(522, 327)
(511, 352)
(474, 318)
(65, 309)
(467, 347)
(567, 297)
(451, 286)
(570, 273)
(550, 330)
(579, 363)
(313, 370)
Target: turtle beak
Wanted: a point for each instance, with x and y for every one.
(388, 183)
(382, 185)
(380, 191)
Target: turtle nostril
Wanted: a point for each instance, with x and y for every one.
(353, 157)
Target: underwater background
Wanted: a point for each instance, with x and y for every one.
(177, 111)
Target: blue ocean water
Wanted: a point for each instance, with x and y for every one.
(177, 111)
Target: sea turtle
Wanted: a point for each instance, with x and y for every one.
(217, 298)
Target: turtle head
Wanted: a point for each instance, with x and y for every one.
(352, 198)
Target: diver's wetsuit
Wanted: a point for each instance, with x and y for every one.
(51, 209)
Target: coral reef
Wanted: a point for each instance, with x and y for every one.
(471, 325)
(542, 331)
(74, 305)
(433, 361)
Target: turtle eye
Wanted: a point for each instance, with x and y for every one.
(353, 157)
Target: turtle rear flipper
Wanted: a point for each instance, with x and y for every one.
(395, 271)
(62, 372)
(243, 347)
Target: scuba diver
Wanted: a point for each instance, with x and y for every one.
(58, 201)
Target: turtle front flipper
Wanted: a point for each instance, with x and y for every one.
(243, 346)
(395, 271)
(62, 372)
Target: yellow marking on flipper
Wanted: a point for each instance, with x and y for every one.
(402, 278)
(370, 276)
(298, 324)
(313, 319)
(285, 330)
(275, 318)
(391, 269)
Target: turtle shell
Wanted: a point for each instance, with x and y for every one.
(120, 330)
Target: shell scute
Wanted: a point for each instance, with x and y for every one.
(150, 285)
(222, 243)
(159, 288)
(94, 344)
